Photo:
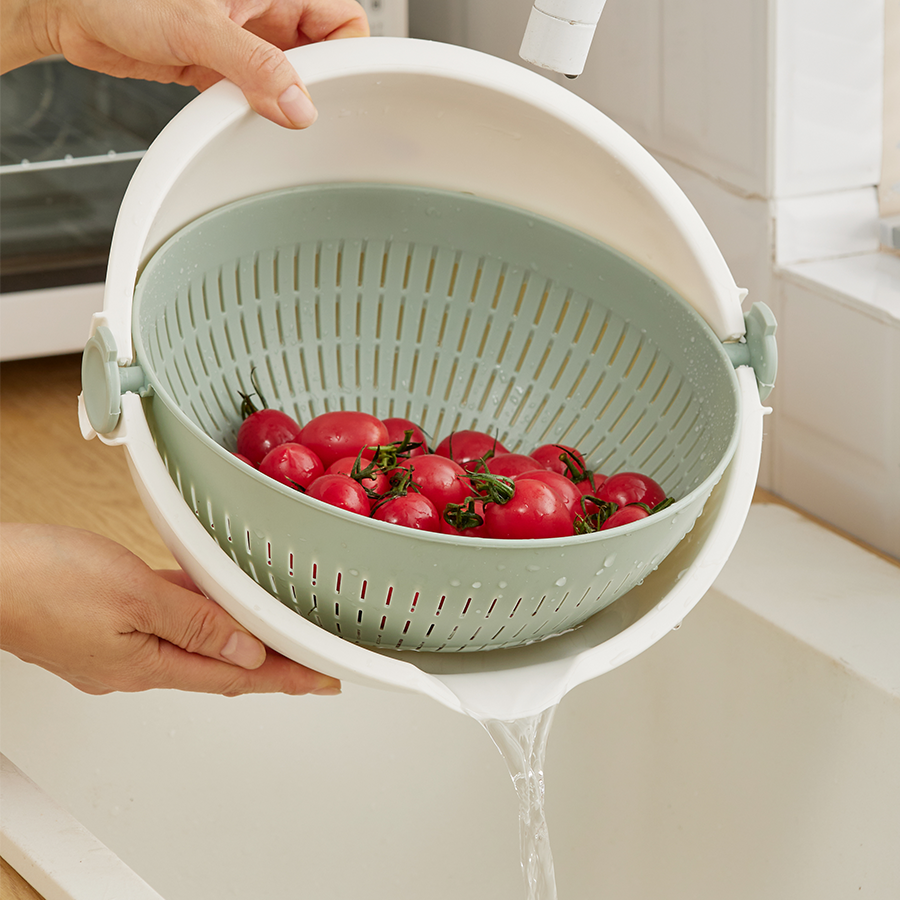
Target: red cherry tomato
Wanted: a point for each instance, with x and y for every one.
(333, 435)
(264, 429)
(439, 479)
(623, 515)
(341, 491)
(292, 464)
(512, 464)
(376, 482)
(243, 459)
(409, 510)
(535, 511)
(467, 447)
(559, 458)
(568, 491)
(625, 488)
(397, 429)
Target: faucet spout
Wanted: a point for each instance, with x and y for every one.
(559, 34)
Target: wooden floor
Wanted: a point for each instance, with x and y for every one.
(13, 886)
(50, 474)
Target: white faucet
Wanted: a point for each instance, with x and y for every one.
(559, 34)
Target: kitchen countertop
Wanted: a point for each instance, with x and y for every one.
(49, 473)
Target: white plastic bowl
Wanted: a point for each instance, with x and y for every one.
(414, 112)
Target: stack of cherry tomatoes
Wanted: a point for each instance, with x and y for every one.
(469, 484)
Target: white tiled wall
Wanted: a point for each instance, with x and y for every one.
(769, 114)
(827, 100)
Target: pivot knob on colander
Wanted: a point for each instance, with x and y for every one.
(758, 349)
(104, 381)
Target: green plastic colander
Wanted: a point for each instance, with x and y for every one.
(455, 312)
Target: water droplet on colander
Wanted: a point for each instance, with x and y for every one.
(609, 560)
(531, 567)
(354, 572)
(476, 584)
(454, 582)
(501, 584)
(560, 581)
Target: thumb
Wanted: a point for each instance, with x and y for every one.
(195, 623)
(262, 71)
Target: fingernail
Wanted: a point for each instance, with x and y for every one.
(244, 650)
(297, 106)
(330, 690)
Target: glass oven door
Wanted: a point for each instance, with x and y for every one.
(70, 140)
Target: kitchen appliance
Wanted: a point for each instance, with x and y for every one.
(70, 140)
(444, 119)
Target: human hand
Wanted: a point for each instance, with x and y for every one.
(190, 42)
(88, 610)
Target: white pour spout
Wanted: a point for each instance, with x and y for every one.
(559, 34)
